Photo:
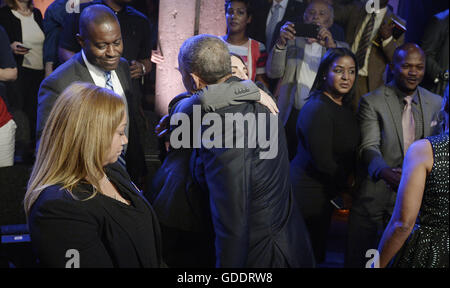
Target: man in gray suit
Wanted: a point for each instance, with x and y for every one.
(391, 118)
(99, 63)
(296, 60)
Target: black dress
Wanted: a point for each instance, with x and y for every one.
(328, 136)
(428, 245)
(104, 231)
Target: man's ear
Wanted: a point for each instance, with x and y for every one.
(80, 40)
(198, 82)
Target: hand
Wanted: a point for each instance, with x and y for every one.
(287, 32)
(392, 177)
(157, 57)
(386, 30)
(325, 38)
(136, 69)
(163, 126)
(267, 101)
(18, 50)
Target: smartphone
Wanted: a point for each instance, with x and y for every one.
(306, 30)
(23, 47)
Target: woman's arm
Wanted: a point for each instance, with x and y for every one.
(417, 165)
(8, 74)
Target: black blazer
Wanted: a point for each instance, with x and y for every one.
(75, 70)
(95, 227)
(249, 200)
(13, 27)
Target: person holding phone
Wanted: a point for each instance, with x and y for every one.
(23, 24)
(297, 72)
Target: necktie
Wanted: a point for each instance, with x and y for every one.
(109, 84)
(271, 26)
(364, 41)
(409, 132)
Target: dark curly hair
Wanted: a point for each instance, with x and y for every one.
(246, 2)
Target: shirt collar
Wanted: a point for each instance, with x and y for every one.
(401, 95)
(91, 67)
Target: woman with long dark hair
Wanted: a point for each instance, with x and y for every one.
(328, 137)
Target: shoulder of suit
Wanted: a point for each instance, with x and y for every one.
(382, 90)
(442, 15)
(136, 13)
(430, 95)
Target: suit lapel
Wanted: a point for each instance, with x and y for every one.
(395, 111)
(426, 113)
(121, 73)
(81, 69)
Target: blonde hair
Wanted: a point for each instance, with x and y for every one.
(76, 139)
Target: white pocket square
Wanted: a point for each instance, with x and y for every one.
(433, 123)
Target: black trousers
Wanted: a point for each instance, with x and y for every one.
(364, 233)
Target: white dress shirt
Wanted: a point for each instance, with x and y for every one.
(98, 75)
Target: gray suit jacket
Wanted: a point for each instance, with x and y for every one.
(380, 120)
(287, 64)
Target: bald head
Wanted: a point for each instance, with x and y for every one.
(94, 16)
(319, 12)
(100, 37)
(407, 48)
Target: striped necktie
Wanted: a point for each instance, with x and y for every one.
(364, 42)
(109, 84)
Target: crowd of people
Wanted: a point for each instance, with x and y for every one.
(334, 87)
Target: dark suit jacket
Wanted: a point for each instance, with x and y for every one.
(257, 28)
(381, 146)
(75, 70)
(13, 27)
(94, 227)
(435, 46)
(255, 219)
